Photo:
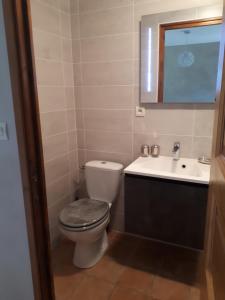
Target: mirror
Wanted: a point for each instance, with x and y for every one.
(188, 61)
(179, 57)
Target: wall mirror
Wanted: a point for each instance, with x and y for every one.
(179, 60)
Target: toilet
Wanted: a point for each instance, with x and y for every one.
(84, 221)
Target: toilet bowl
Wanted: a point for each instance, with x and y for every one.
(84, 221)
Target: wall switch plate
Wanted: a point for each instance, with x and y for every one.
(140, 111)
(3, 131)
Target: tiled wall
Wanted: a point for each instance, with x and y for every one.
(107, 87)
(54, 70)
(97, 64)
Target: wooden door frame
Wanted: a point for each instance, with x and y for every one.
(18, 28)
(218, 161)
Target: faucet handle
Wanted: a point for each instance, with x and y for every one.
(176, 146)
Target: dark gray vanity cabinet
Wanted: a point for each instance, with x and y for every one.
(166, 210)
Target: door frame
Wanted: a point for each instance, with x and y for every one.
(17, 18)
(218, 162)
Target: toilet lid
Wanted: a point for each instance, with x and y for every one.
(83, 212)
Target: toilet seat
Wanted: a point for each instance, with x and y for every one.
(84, 214)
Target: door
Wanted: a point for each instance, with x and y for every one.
(214, 261)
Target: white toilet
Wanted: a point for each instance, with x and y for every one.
(84, 221)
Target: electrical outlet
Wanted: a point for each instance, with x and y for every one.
(3, 131)
(140, 111)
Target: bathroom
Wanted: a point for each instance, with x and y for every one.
(96, 119)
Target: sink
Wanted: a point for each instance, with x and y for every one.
(184, 169)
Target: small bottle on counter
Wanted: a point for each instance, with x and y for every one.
(145, 150)
(155, 150)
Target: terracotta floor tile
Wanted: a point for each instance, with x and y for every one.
(165, 289)
(123, 293)
(137, 279)
(131, 269)
(93, 289)
(106, 269)
(195, 293)
(65, 284)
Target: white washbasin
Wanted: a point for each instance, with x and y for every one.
(184, 169)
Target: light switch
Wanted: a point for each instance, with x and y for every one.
(140, 111)
(3, 131)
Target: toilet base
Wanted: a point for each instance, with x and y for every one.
(87, 254)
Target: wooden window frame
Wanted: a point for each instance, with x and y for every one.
(171, 26)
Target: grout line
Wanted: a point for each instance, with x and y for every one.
(86, 85)
(53, 33)
(57, 110)
(52, 7)
(65, 101)
(74, 96)
(193, 131)
(92, 12)
(82, 80)
(133, 80)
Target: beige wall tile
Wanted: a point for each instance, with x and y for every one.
(54, 146)
(44, 17)
(53, 44)
(53, 123)
(204, 122)
(210, 11)
(165, 142)
(64, 5)
(111, 21)
(77, 74)
(80, 139)
(70, 97)
(107, 48)
(58, 190)
(108, 120)
(56, 168)
(78, 97)
(106, 97)
(72, 139)
(103, 87)
(202, 146)
(68, 74)
(166, 121)
(65, 25)
(112, 73)
(75, 27)
(46, 45)
(49, 72)
(53, 3)
(51, 98)
(79, 119)
(71, 119)
(67, 50)
(74, 6)
(93, 5)
(109, 141)
(76, 51)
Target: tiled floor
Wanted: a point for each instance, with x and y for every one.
(132, 269)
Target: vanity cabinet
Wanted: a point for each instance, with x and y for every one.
(166, 210)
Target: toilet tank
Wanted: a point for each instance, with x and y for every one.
(103, 179)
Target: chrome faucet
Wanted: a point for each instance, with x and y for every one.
(176, 151)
